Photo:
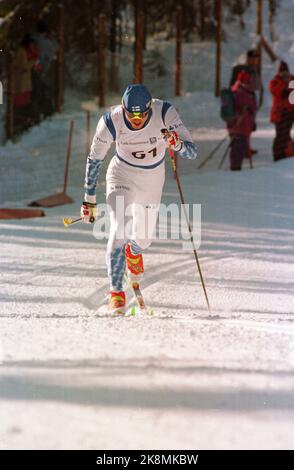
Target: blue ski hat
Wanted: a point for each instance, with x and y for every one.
(136, 98)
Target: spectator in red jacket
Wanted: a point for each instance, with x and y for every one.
(241, 126)
(282, 112)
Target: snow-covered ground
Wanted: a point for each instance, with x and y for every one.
(72, 377)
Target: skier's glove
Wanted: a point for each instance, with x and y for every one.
(89, 212)
(172, 139)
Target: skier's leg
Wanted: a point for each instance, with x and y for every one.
(115, 254)
(283, 135)
(238, 151)
(145, 213)
(144, 224)
(119, 194)
(279, 142)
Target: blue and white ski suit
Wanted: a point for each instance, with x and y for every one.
(135, 178)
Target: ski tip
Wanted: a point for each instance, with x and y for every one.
(133, 311)
(135, 285)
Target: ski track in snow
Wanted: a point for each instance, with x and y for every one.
(75, 378)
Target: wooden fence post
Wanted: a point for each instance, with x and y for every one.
(60, 61)
(101, 61)
(68, 155)
(179, 25)
(259, 7)
(218, 40)
(139, 24)
(268, 49)
(10, 91)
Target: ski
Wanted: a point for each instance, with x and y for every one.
(135, 287)
(138, 295)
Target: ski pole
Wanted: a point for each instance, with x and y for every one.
(250, 156)
(67, 221)
(171, 153)
(224, 156)
(211, 154)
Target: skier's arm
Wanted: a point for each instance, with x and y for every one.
(101, 142)
(173, 123)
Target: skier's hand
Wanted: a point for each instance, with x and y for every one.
(89, 212)
(172, 139)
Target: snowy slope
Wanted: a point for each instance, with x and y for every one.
(163, 379)
(73, 378)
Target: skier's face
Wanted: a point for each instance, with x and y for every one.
(137, 120)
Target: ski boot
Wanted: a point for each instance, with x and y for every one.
(135, 267)
(117, 302)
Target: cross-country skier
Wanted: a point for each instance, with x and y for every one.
(136, 173)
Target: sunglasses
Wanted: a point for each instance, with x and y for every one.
(136, 115)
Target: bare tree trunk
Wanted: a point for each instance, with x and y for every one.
(60, 60)
(218, 17)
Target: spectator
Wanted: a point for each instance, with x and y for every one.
(47, 78)
(24, 61)
(241, 126)
(252, 66)
(282, 112)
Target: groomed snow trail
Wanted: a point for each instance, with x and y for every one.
(73, 379)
